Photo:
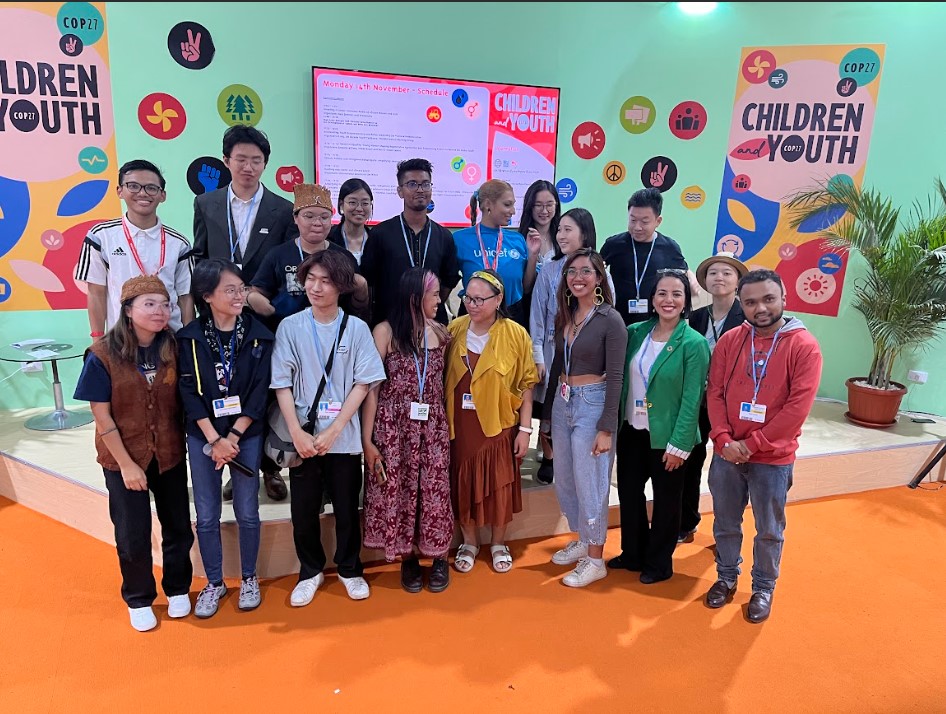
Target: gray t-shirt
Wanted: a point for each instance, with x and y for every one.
(296, 364)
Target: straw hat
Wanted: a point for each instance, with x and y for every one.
(143, 285)
(722, 257)
(311, 195)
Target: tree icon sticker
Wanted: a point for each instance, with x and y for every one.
(238, 104)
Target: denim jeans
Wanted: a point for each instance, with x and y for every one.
(582, 481)
(208, 503)
(766, 487)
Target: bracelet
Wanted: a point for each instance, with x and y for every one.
(96, 334)
(108, 431)
(234, 430)
(525, 429)
(214, 442)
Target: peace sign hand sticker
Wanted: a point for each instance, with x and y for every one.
(190, 45)
(659, 172)
(190, 50)
(657, 177)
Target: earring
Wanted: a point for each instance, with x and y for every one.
(599, 296)
(568, 295)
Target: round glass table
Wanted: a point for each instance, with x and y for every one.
(49, 351)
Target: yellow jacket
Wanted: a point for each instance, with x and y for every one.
(503, 372)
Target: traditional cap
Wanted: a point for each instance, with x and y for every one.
(309, 195)
(143, 285)
(722, 257)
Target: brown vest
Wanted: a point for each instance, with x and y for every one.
(148, 416)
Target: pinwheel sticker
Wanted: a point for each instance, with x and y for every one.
(162, 116)
(758, 66)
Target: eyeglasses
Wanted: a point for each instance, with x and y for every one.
(477, 301)
(358, 204)
(550, 207)
(583, 272)
(152, 189)
(232, 291)
(256, 162)
(316, 218)
(413, 185)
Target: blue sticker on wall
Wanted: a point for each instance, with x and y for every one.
(93, 160)
(14, 212)
(6, 290)
(81, 19)
(830, 263)
(82, 198)
(459, 97)
(567, 190)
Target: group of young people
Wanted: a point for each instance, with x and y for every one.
(339, 336)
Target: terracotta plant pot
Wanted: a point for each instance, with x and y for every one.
(870, 407)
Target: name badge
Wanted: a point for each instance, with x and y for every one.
(329, 410)
(420, 411)
(752, 412)
(226, 407)
(468, 402)
(637, 307)
(565, 391)
(342, 350)
(640, 408)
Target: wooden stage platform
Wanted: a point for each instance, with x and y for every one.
(54, 472)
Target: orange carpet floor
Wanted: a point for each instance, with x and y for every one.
(858, 625)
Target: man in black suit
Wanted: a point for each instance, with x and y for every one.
(242, 222)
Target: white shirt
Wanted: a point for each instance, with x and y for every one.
(476, 343)
(105, 259)
(637, 390)
(244, 215)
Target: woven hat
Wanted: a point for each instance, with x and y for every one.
(311, 195)
(143, 285)
(723, 257)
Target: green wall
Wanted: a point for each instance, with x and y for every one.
(599, 54)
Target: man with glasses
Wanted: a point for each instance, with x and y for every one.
(134, 245)
(409, 239)
(242, 223)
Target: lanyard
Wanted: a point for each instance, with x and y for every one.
(410, 253)
(230, 221)
(764, 364)
(134, 251)
(365, 240)
(299, 246)
(713, 326)
(640, 362)
(224, 362)
(638, 279)
(421, 380)
(499, 247)
(318, 349)
(569, 351)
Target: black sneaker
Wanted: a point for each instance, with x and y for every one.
(545, 472)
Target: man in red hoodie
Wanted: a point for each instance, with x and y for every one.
(762, 383)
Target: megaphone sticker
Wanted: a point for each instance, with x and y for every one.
(588, 140)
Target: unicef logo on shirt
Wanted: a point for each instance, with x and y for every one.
(514, 254)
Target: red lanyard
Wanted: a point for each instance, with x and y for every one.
(134, 251)
(499, 247)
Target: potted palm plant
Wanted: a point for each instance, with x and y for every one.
(902, 294)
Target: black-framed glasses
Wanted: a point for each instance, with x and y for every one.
(477, 301)
(152, 189)
(414, 185)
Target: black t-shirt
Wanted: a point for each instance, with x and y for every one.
(616, 253)
(335, 236)
(386, 258)
(276, 277)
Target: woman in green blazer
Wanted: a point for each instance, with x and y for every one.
(664, 380)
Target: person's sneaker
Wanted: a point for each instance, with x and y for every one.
(546, 472)
(249, 593)
(686, 536)
(227, 492)
(209, 599)
(357, 587)
(585, 573)
(571, 553)
(304, 591)
(179, 606)
(142, 618)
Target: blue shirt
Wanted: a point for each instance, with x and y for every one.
(512, 258)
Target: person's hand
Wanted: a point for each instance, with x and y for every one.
(540, 368)
(372, 456)
(521, 446)
(134, 478)
(602, 443)
(261, 305)
(223, 452)
(324, 439)
(305, 444)
(671, 462)
(533, 241)
(736, 452)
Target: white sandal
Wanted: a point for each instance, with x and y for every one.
(501, 557)
(466, 557)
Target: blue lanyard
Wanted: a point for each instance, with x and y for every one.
(422, 380)
(757, 379)
(230, 226)
(318, 348)
(569, 351)
(410, 253)
(638, 279)
(298, 243)
(640, 362)
(227, 364)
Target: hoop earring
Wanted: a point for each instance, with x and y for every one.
(599, 296)
(568, 295)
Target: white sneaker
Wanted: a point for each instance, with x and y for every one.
(571, 553)
(179, 606)
(209, 600)
(304, 591)
(585, 573)
(249, 593)
(142, 618)
(357, 587)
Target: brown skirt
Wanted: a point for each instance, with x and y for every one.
(485, 483)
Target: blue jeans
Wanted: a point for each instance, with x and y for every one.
(582, 481)
(206, 481)
(733, 486)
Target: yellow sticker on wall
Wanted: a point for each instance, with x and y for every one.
(692, 197)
